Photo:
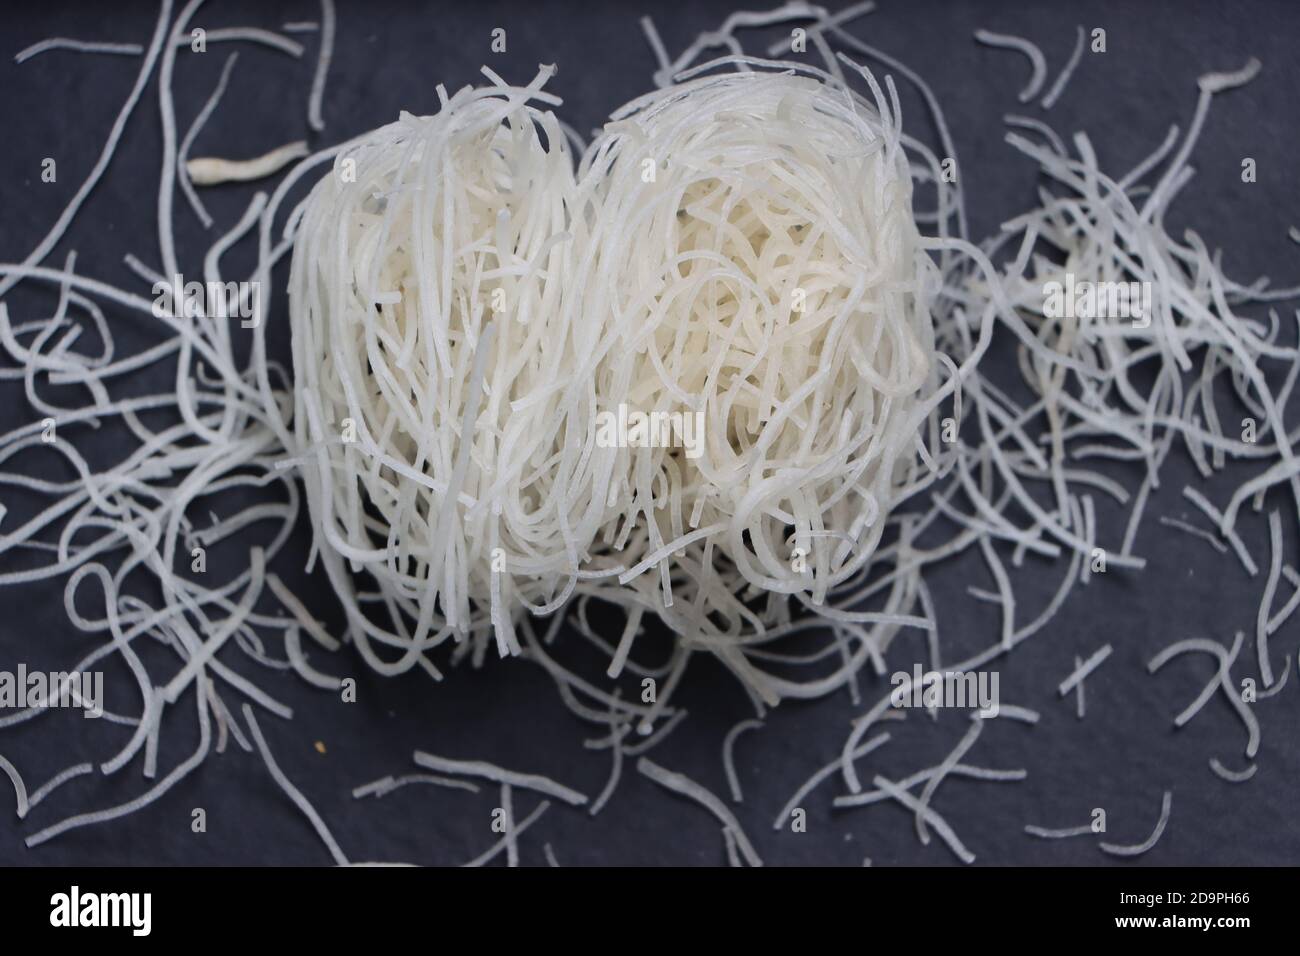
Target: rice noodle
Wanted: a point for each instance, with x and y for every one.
(1052, 95)
(394, 337)
(689, 788)
(754, 167)
(1137, 849)
(1037, 61)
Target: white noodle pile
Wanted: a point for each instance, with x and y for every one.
(443, 449)
(756, 250)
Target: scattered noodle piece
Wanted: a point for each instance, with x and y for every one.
(931, 817)
(824, 773)
(510, 837)
(314, 100)
(1043, 833)
(941, 771)
(386, 785)
(1059, 86)
(1221, 681)
(1287, 609)
(177, 774)
(208, 171)
(300, 613)
(1081, 707)
(1037, 61)
(1083, 670)
(182, 155)
(58, 780)
(487, 771)
(1022, 714)
(733, 852)
(293, 792)
(1233, 776)
(653, 740)
(1137, 849)
(508, 823)
(20, 789)
(298, 660)
(1196, 532)
(615, 770)
(728, 757)
(1280, 683)
(252, 35)
(678, 783)
(1218, 82)
(1215, 515)
(868, 797)
(80, 46)
(1266, 602)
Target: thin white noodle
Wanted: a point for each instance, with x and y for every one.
(508, 822)
(617, 732)
(1232, 776)
(314, 100)
(1195, 531)
(940, 825)
(1043, 833)
(1137, 849)
(1037, 61)
(1083, 670)
(1266, 601)
(187, 186)
(728, 755)
(20, 789)
(516, 832)
(733, 851)
(1023, 714)
(208, 171)
(80, 46)
(683, 785)
(1213, 513)
(487, 771)
(824, 773)
(157, 790)
(386, 785)
(293, 792)
(1058, 87)
(1287, 609)
(940, 772)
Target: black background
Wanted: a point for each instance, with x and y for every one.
(390, 56)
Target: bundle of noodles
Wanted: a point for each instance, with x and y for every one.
(772, 356)
(442, 451)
